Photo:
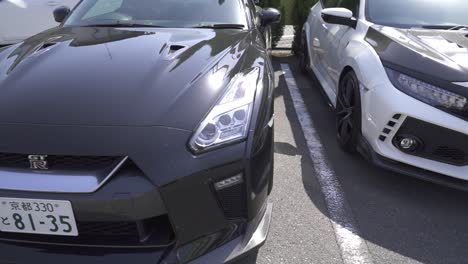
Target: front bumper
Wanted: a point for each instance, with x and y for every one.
(409, 170)
(254, 237)
(177, 214)
(385, 111)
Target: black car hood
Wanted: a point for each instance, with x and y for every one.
(118, 77)
(442, 54)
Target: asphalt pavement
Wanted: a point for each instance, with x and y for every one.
(400, 219)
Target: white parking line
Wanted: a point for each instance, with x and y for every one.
(353, 247)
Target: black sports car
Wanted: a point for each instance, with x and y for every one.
(138, 131)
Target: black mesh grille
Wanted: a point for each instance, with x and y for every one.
(149, 232)
(14, 160)
(9, 160)
(98, 233)
(233, 201)
(438, 143)
(451, 154)
(81, 161)
(108, 229)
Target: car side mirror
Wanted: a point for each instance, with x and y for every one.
(60, 13)
(270, 16)
(339, 16)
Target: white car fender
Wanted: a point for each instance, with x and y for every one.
(307, 28)
(362, 58)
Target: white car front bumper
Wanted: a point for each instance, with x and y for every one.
(382, 103)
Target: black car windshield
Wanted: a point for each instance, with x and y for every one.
(418, 13)
(159, 13)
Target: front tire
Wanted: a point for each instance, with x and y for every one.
(348, 113)
(272, 157)
(304, 59)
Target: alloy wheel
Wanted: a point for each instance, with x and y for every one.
(348, 113)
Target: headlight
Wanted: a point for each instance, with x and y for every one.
(426, 92)
(229, 119)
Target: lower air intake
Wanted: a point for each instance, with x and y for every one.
(233, 200)
(437, 143)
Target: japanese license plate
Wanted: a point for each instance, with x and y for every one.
(47, 217)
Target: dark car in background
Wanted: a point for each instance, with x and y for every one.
(138, 131)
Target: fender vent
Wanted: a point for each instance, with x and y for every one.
(391, 127)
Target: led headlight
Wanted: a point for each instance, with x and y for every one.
(229, 119)
(426, 92)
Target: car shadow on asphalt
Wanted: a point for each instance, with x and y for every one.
(286, 149)
(399, 217)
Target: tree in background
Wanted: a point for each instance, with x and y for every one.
(278, 29)
(294, 12)
(302, 12)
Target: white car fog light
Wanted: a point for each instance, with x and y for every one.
(408, 143)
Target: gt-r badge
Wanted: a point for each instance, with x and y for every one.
(38, 162)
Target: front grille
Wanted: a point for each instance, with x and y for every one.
(57, 162)
(452, 154)
(438, 143)
(154, 232)
(108, 229)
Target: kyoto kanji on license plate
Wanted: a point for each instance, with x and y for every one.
(48, 217)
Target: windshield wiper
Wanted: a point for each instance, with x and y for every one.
(445, 27)
(119, 24)
(458, 27)
(220, 26)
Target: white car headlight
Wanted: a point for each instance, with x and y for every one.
(229, 120)
(428, 93)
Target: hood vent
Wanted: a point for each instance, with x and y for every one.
(44, 47)
(173, 50)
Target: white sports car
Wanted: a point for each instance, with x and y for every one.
(397, 74)
(20, 19)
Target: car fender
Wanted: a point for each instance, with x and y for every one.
(309, 25)
(306, 31)
(361, 57)
(366, 63)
